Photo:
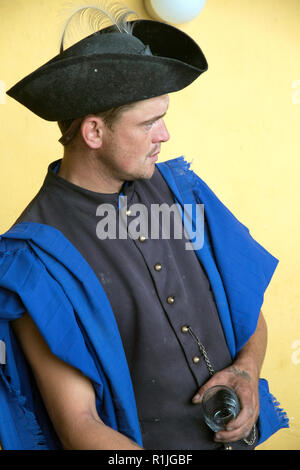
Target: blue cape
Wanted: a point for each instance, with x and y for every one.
(42, 273)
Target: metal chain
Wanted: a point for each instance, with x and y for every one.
(203, 352)
(250, 442)
(211, 371)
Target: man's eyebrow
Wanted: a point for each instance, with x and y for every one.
(155, 118)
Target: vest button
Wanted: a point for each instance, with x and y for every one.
(171, 299)
(142, 238)
(196, 359)
(157, 267)
(184, 329)
(128, 212)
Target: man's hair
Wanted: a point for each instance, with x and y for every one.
(109, 117)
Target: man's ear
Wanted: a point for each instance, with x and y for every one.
(92, 131)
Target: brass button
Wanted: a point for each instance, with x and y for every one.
(157, 267)
(196, 359)
(142, 238)
(171, 299)
(184, 329)
(128, 212)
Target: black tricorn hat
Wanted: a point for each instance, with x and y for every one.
(104, 71)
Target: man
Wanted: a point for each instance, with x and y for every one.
(123, 363)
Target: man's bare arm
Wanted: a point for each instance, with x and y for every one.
(243, 377)
(68, 396)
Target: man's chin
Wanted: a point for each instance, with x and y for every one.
(144, 174)
(149, 173)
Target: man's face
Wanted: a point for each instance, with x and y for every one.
(130, 149)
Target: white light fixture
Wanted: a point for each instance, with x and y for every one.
(174, 11)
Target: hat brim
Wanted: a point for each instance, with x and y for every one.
(70, 87)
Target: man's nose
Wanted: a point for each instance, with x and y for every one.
(161, 133)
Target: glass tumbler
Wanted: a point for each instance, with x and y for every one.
(220, 404)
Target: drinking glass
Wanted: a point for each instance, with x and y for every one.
(220, 404)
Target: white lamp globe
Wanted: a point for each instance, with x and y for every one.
(174, 11)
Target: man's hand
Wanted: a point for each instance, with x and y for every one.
(246, 387)
(242, 376)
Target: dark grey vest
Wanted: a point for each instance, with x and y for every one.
(156, 288)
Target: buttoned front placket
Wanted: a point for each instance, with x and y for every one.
(160, 259)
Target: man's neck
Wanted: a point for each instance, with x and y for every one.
(84, 171)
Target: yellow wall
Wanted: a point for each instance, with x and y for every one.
(239, 123)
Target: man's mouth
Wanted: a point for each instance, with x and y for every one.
(154, 156)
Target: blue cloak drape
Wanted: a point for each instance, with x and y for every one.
(42, 273)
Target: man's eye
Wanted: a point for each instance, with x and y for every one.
(150, 124)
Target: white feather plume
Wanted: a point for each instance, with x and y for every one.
(89, 19)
